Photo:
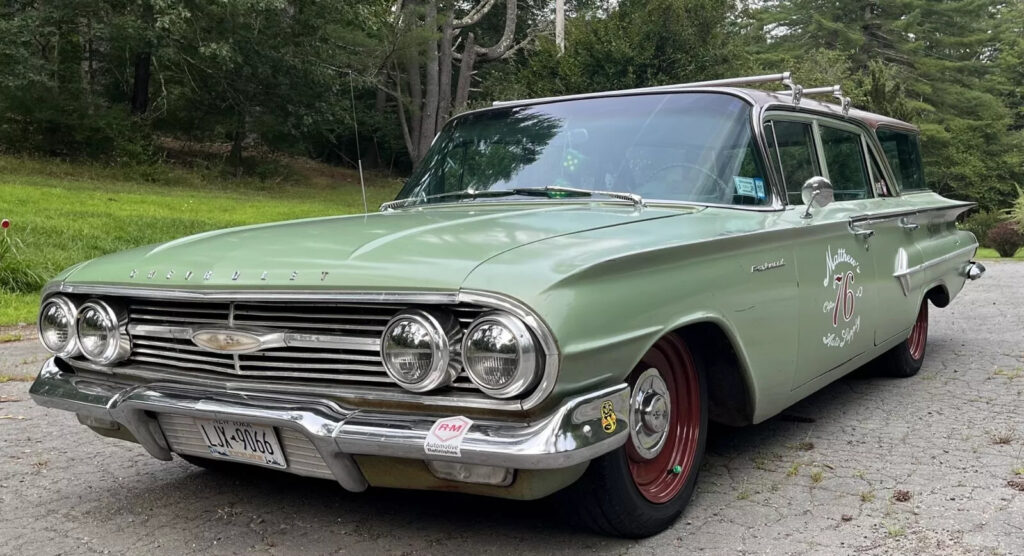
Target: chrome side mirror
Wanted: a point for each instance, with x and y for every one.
(816, 192)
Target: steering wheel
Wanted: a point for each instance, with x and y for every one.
(705, 171)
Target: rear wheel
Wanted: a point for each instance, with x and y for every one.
(642, 488)
(905, 359)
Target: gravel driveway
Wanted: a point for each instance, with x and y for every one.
(868, 465)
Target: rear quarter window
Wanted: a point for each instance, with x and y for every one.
(903, 151)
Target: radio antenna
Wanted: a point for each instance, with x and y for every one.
(359, 155)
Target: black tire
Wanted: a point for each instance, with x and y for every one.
(904, 360)
(609, 501)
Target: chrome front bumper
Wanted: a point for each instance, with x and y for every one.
(570, 434)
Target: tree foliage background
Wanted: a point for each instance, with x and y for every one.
(123, 80)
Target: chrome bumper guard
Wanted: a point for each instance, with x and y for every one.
(973, 270)
(569, 435)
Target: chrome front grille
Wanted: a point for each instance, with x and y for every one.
(336, 343)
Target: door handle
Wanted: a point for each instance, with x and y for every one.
(908, 225)
(862, 233)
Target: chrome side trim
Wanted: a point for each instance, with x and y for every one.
(904, 276)
(867, 219)
(431, 298)
(568, 435)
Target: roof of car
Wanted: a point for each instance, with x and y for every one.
(757, 97)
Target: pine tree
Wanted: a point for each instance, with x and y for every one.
(935, 63)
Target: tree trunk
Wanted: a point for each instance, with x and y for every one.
(237, 138)
(444, 66)
(412, 69)
(139, 103)
(428, 124)
(465, 74)
(140, 86)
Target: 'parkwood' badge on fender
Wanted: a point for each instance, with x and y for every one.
(229, 341)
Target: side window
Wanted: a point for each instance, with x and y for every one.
(904, 155)
(878, 180)
(791, 147)
(844, 156)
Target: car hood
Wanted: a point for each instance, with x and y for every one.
(414, 249)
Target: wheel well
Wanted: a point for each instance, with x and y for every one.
(728, 394)
(939, 296)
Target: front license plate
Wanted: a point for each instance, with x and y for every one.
(240, 441)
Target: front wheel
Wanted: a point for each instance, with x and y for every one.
(641, 489)
(905, 359)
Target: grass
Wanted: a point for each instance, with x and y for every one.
(64, 213)
(1002, 438)
(987, 253)
(867, 496)
(894, 530)
(1010, 374)
(817, 476)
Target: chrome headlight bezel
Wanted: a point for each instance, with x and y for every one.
(71, 310)
(527, 372)
(117, 346)
(443, 332)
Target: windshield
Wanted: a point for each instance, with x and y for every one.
(692, 147)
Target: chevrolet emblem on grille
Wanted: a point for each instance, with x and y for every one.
(230, 341)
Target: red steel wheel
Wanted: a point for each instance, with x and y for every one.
(919, 333)
(665, 420)
(640, 489)
(905, 358)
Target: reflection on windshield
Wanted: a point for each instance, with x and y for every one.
(694, 147)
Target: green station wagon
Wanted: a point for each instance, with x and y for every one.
(562, 297)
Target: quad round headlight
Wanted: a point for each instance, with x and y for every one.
(57, 326)
(101, 333)
(416, 350)
(500, 355)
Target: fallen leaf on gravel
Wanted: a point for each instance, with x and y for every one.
(901, 496)
(4, 399)
(1016, 484)
(16, 417)
(847, 517)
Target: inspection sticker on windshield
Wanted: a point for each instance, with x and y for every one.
(744, 186)
(446, 436)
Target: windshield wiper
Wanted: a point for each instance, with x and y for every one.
(547, 191)
(464, 194)
(550, 191)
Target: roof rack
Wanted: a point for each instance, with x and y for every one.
(835, 91)
(785, 78)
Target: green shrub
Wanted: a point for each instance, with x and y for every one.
(980, 223)
(1006, 239)
(15, 276)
